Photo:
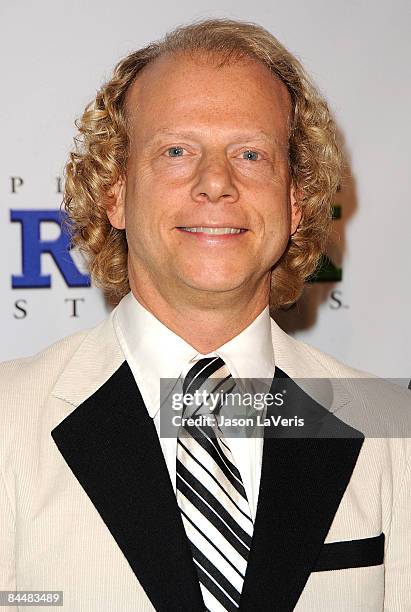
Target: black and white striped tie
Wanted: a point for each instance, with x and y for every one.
(212, 498)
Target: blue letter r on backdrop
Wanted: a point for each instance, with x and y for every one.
(33, 248)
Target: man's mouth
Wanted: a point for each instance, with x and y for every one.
(214, 230)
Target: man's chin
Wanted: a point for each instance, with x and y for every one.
(216, 285)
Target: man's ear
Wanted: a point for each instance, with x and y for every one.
(116, 204)
(296, 211)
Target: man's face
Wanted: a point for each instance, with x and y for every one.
(208, 156)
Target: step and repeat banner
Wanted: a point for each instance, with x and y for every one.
(55, 55)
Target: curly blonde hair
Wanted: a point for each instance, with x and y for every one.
(101, 150)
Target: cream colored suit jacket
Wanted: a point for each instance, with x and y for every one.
(87, 506)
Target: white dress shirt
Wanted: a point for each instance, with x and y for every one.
(153, 352)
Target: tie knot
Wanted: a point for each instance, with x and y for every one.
(203, 369)
(205, 386)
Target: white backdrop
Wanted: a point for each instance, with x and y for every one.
(54, 56)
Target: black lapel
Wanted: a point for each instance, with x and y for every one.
(302, 482)
(111, 445)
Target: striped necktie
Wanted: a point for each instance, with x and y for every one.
(212, 498)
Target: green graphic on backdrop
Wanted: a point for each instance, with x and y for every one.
(327, 271)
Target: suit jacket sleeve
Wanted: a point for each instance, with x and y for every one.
(7, 539)
(398, 556)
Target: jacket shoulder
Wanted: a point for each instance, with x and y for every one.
(37, 374)
(303, 359)
(334, 365)
(378, 407)
(44, 366)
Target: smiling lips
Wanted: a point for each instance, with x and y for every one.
(213, 231)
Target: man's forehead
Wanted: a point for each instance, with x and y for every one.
(169, 87)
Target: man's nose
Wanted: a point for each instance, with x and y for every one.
(214, 180)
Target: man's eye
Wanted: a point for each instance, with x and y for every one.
(251, 155)
(175, 151)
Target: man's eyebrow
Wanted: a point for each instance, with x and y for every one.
(236, 137)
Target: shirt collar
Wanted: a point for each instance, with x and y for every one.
(250, 354)
(153, 351)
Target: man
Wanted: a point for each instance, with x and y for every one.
(201, 194)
